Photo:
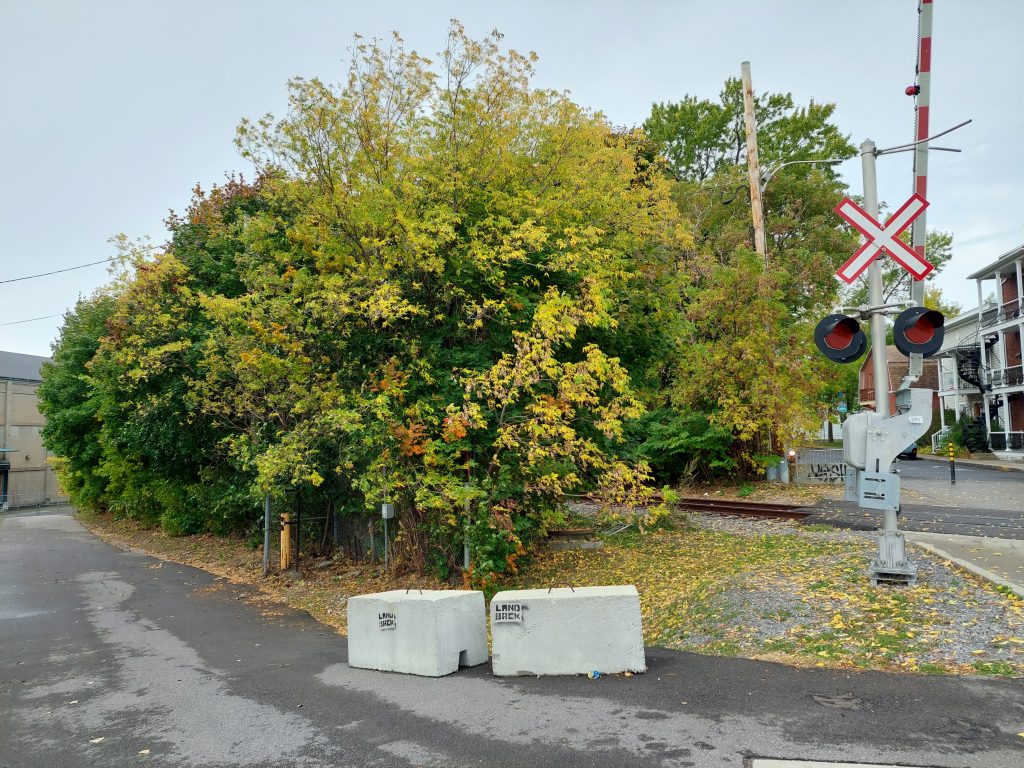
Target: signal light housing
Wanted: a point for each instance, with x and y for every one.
(840, 338)
(919, 330)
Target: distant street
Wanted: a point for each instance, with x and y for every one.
(984, 502)
(110, 658)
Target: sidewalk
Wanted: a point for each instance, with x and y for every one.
(999, 560)
(1002, 466)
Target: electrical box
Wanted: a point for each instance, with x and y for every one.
(871, 442)
(878, 490)
(855, 440)
(387, 510)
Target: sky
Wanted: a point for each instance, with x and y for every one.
(112, 111)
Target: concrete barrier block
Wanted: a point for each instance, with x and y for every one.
(430, 633)
(567, 632)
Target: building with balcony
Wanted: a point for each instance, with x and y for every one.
(980, 366)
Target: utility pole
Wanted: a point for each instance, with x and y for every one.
(266, 534)
(753, 164)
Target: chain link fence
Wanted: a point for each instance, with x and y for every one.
(363, 538)
(15, 502)
(820, 466)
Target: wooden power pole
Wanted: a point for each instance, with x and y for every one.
(753, 166)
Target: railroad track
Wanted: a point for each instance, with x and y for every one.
(749, 508)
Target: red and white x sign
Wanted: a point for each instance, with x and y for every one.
(879, 238)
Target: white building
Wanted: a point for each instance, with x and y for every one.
(981, 370)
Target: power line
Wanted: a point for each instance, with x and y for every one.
(57, 271)
(30, 320)
(80, 266)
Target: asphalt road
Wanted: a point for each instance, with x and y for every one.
(984, 502)
(105, 654)
(926, 481)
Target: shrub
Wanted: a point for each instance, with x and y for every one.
(681, 445)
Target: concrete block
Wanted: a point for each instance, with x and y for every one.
(430, 633)
(567, 632)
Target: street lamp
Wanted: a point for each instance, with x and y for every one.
(765, 178)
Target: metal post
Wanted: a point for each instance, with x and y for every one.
(753, 165)
(385, 545)
(465, 534)
(952, 464)
(298, 529)
(266, 534)
(892, 559)
(878, 353)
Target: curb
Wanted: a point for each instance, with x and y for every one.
(967, 565)
(1007, 467)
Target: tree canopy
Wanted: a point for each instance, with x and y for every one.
(471, 297)
(414, 301)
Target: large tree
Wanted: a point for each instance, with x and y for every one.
(705, 143)
(703, 138)
(427, 295)
(746, 360)
(71, 405)
(462, 245)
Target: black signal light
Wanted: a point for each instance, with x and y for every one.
(840, 338)
(919, 330)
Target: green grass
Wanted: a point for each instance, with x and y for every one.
(700, 591)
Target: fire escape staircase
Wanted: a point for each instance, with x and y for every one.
(970, 362)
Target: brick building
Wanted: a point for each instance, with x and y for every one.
(897, 367)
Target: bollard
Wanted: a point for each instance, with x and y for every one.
(286, 541)
(952, 465)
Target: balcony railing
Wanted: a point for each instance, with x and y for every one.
(939, 440)
(1007, 377)
(948, 382)
(1011, 310)
(1007, 441)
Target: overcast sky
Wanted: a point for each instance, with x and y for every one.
(110, 112)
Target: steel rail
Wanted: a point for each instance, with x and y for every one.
(750, 508)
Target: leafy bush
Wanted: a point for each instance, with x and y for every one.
(681, 445)
(969, 433)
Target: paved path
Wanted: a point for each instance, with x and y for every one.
(984, 502)
(926, 518)
(978, 486)
(999, 560)
(977, 524)
(105, 654)
(997, 464)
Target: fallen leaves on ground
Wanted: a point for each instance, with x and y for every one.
(790, 595)
(801, 597)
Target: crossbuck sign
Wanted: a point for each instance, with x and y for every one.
(879, 238)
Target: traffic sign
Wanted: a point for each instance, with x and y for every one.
(879, 238)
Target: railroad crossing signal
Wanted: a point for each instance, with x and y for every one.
(879, 238)
(840, 339)
(919, 330)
